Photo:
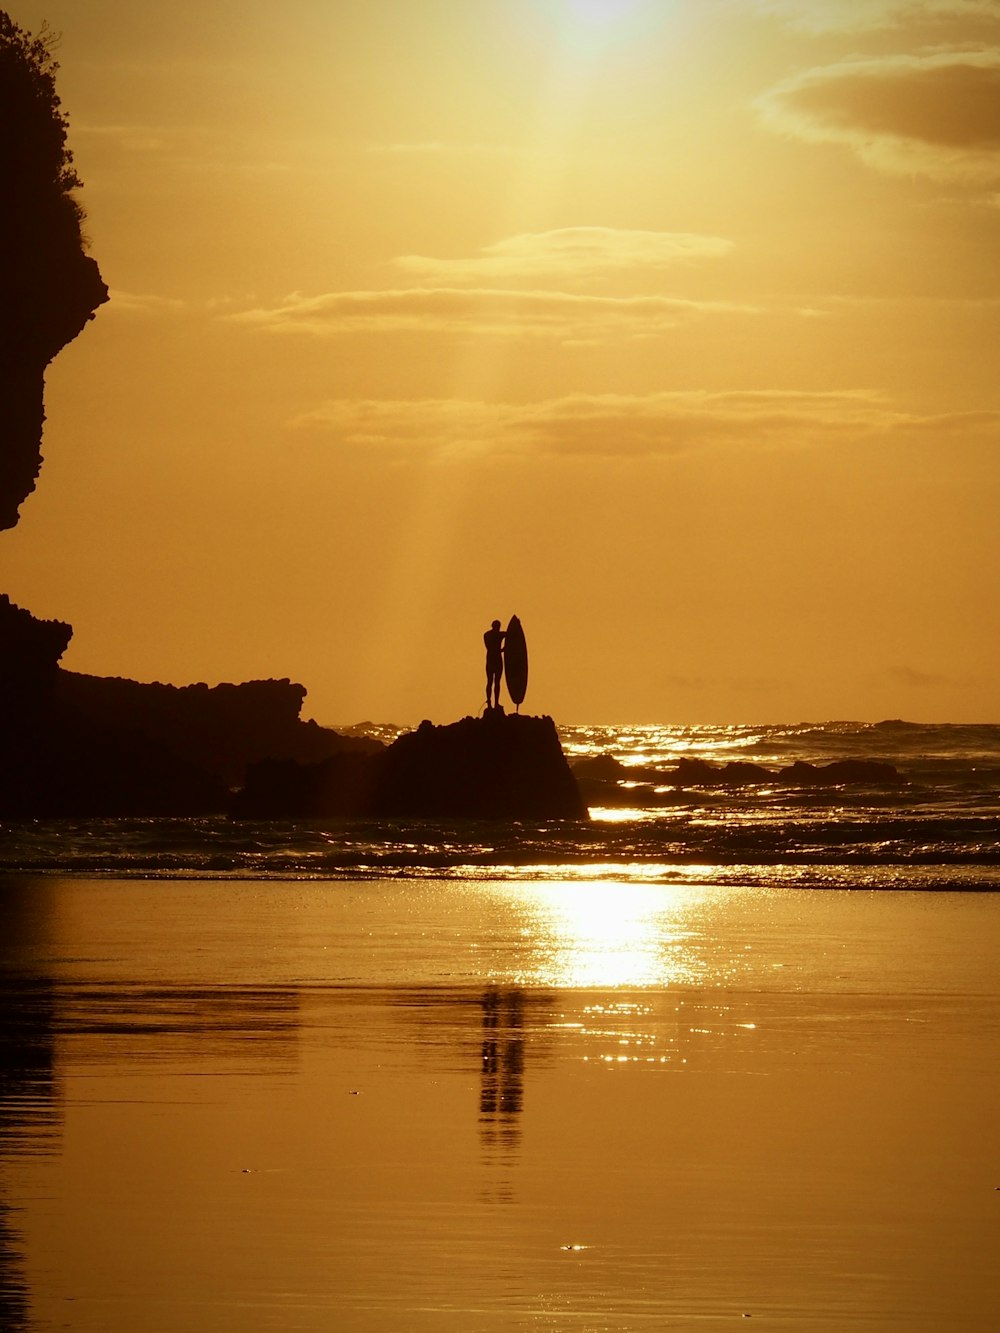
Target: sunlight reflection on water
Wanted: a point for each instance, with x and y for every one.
(604, 814)
(600, 932)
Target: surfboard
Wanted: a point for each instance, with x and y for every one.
(515, 662)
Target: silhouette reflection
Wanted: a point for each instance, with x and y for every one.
(56, 1024)
(30, 1093)
(508, 1021)
(29, 1117)
(501, 1093)
(253, 1029)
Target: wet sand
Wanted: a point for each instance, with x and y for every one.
(432, 1105)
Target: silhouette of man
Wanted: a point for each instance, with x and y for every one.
(493, 638)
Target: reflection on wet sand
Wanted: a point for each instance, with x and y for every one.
(501, 1095)
(511, 1021)
(221, 1026)
(29, 1087)
(29, 1118)
(501, 1089)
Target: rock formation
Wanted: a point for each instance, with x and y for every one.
(86, 745)
(491, 767)
(30, 650)
(220, 728)
(49, 288)
(601, 776)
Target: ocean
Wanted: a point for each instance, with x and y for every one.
(720, 1054)
(937, 828)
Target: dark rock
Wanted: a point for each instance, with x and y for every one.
(84, 772)
(30, 650)
(75, 745)
(49, 288)
(601, 768)
(283, 789)
(700, 773)
(220, 728)
(492, 767)
(859, 772)
(495, 766)
(693, 773)
(600, 778)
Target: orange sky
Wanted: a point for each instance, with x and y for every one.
(670, 325)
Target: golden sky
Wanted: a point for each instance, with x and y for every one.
(669, 325)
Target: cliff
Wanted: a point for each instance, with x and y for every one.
(49, 288)
(75, 745)
(30, 650)
(220, 728)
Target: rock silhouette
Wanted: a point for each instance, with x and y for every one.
(491, 767)
(498, 766)
(600, 777)
(30, 650)
(220, 728)
(49, 288)
(87, 746)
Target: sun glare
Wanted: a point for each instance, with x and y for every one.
(607, 933)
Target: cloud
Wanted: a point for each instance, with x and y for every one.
(561, 315)
(935, 114)
(872, 15)
(144, 303)
(458, 296)
(570, 252)
(624, 426)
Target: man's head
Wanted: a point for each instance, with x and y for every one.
(496, 624)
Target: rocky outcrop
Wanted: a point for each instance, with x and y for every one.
(72, 769)
(25, 352)
(851, 772)
(49, 288)
(491, 767)
(600, 768)
(602, 778)
(219, 728)
(75, 745)
(700, 773)
(30, 650)
(340, 786)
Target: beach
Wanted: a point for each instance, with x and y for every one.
(428, 1104)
